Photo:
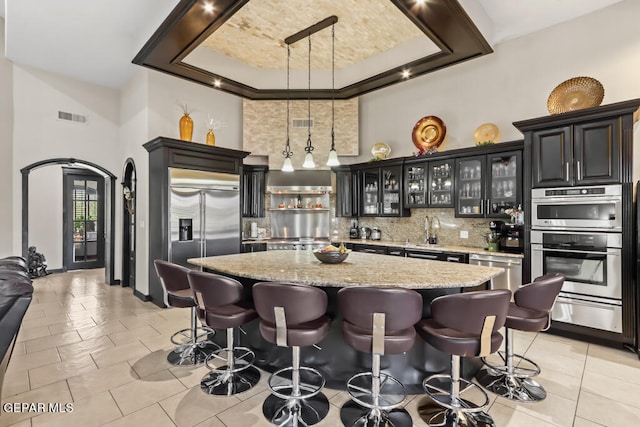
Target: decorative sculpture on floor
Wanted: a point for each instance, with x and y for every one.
(37, 263)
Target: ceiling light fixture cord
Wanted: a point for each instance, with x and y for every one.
(287, 153)
(333, 82)
(309, 147)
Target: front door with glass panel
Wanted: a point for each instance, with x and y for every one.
(83, 220)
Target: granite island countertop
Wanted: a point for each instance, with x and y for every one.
(360, 269)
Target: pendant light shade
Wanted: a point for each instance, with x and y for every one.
(333, 158)
(287, 165)
(308, 161)
(333, 154)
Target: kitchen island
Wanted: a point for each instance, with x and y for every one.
(336, 360)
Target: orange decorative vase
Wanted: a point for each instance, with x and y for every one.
(186, 127)
(211, 138)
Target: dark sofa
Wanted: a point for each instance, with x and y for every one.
(15, 296)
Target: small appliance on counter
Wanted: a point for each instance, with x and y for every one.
(354, 233)
(512, 239)
(376, 234)
(365, 233)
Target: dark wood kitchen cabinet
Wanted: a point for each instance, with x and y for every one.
(489, 184)
(577, 154)
(380, 189)
(346, 191)
(429, 184)
(253, 190)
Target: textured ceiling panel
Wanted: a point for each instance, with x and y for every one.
(365, 28)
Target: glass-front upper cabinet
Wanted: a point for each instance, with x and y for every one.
(441, 183)
(488, 185)
(429, 184)
(470, 186)
(416, 185)
(505, 181)
(381, 190)
(370, 180)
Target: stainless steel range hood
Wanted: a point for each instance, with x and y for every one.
(310, 182)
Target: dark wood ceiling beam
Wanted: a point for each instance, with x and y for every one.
(444, 21)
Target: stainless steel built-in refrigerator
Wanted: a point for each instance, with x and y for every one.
(204, 214)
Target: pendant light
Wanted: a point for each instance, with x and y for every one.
(308, 158)
(287, 165)
(333, 154)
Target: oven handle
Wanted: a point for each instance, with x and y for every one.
(571, 200)
(588, 302)
(575, 251)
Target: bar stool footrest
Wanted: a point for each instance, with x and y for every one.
(391, 395)
(511, 387)
(438, 387)
(202, 335)
(281, 384)
(191, 354)
(522, 367)
(243, 358)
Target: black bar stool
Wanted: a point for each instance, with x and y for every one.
(219, 300)
(194, 347)
(530, 312)
(378, 321)
(467, 325)
(293, 315)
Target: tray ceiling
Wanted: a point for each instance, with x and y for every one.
(238, 46)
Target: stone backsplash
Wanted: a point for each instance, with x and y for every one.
(401, 229)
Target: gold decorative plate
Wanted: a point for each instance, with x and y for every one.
(486, 132)
(428, 133)
(575, 94)
(381, 150)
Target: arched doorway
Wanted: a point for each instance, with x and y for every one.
(129, 192)
(109, 206)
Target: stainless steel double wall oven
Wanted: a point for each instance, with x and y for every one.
(577, 231)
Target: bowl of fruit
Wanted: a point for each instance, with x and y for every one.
(331, 254)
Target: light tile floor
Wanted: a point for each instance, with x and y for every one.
(104, 350)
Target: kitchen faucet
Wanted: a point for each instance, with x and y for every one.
(427, 230)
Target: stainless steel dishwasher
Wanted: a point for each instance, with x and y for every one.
(511, 278)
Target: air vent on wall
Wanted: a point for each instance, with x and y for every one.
(79, 118)
(301, 123)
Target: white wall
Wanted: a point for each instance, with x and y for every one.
(509, 85)
(39, 135)
(7, 175)
(166, 92)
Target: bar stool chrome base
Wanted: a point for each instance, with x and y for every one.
(353, 414)
(296, 412)
(191, 354)
(236, 376)
(194, 347)
(511, 387)
(296, 399)
(230, 383)
(436, 416)
(510, 375)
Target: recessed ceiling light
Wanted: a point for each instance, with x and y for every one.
(217, 83)
(406, 74)
(208, 7)
(420, 2)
